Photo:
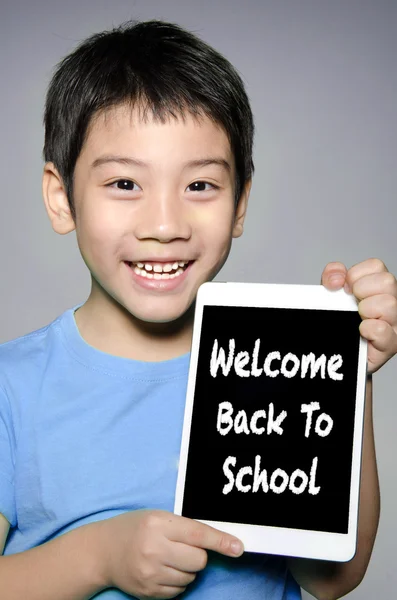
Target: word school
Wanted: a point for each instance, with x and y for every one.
(288, 366)
(277, 482)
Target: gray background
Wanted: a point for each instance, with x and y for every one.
(322, 80)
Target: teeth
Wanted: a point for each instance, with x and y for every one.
(159, 271)
(160, 268)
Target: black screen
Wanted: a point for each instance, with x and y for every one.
(301, 482)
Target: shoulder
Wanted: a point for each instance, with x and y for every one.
(25, 346)
(28, 354)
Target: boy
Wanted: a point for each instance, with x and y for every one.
(148, 150)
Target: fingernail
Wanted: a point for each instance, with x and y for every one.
(237, 548)
(336, 279)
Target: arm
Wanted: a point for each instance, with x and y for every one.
(4, 529)
(331, 580)
(145, 553)
(62, 568)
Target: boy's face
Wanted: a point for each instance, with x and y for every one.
(155, 211)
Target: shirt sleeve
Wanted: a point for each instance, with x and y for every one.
(7, 448)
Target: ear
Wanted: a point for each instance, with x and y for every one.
(241, 210)
(56, 201)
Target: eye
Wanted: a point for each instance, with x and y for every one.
(125, 185)
(200, 186)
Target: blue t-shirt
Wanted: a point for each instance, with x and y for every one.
(85, 436)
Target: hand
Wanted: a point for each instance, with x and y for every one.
(156, 554)
(376, 291)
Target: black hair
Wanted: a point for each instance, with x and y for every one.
(162, 68)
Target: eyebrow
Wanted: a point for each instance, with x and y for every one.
(135, 162)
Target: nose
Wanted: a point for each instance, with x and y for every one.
(164, 218)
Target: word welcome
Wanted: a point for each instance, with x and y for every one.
(289, 365)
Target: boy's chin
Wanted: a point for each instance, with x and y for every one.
(164, 317)
(161, 321)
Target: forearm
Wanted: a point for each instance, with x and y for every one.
(331, 580)
(62, 569)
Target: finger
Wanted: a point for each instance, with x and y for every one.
(186, 558)
(381, 306)
(375, 284)
(382, 342)
(176, 578)
(169, 591)
(200, 535)
(366, 267)
(334, 275)
(381, 335)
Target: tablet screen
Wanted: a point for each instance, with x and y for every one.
(272, 425)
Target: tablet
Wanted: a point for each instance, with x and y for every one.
(272, 434)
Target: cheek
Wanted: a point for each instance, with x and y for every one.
(215, 234)
(99, 235)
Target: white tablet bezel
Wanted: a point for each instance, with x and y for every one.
(265, 539)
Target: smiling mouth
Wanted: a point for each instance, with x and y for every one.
(152, 270)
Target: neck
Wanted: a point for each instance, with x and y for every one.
(109, 327)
